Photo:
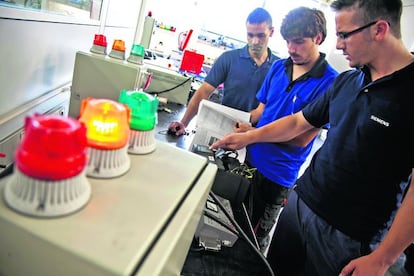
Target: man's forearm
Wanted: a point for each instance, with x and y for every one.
(281, 130)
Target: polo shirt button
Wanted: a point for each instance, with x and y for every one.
(366, 90)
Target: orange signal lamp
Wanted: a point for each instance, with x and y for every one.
(118, 49)
(107, 124)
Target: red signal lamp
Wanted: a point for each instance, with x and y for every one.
(49, 177)
(99, 44)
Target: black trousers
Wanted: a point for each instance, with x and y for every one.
(305, 244)
(265, 201)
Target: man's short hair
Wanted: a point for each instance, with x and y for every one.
(259, 15)
(303, 22)
(372, 10)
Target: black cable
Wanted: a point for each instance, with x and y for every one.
(169, 89)
(241, 232)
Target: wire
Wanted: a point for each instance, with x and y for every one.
(244, 170)
(169, 89)
(242, 233)
(251, 227)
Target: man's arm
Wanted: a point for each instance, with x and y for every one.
(399, 237)
(304, 139)
(299, 141)
(281, 130)
(256, 113)
(254, 118)
(203, 92)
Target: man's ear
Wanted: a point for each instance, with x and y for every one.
(272, 30)
(381, 28)
(319, 38)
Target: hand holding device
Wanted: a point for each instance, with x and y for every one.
(176, 129)
(233, 141)
(240, 126)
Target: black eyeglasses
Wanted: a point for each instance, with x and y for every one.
(343, 35)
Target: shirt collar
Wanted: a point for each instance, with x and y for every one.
(317, 71)
(245, 53)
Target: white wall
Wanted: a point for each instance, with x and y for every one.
(37, 51)
(228, 18)
(37, 55)
(407, 24)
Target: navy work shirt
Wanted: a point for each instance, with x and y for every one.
(353, 181)
(241, 77)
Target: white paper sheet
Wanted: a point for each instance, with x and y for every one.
(214, 121)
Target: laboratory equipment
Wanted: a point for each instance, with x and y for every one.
(141, 223)
(49, 177)
(107, 124)
(100, 76)
(144, 110)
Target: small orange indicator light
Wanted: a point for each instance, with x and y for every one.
(118, 45)
(107, 123)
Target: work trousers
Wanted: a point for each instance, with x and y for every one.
(265, 202)
(305, 244)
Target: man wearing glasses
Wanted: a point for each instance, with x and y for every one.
(345, 35)
(346, 215)
(241, 71)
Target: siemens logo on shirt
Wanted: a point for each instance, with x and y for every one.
(381, 121)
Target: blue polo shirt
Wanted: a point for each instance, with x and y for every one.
(241, 77)
(353, 181)
(279, 162)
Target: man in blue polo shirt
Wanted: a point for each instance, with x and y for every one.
(290, 85)
(241, 71)
(346, 215)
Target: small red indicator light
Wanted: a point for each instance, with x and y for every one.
(53, 148)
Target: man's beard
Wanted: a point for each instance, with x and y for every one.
(256, 48)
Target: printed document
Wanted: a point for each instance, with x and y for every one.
(214, 121)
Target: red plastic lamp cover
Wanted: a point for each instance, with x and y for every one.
(54, 147)
(100, 40)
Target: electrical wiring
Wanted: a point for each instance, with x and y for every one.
(243, 234)
(169, 89)
(244, 170)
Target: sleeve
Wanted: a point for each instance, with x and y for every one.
(317, 112)
(218, 71)
(261, 95)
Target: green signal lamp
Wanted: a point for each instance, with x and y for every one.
(144, 109)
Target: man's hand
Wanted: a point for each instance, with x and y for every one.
(367, 265)
(176, 128)
(232, 141)
(241, 127)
